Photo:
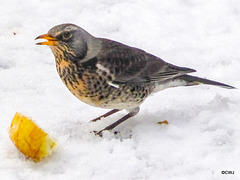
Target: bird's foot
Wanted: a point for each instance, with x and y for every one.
(105, 115)
(100, 133)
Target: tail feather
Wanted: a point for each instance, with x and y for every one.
(193, 80)
(187, 80)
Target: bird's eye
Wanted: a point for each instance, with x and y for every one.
(66, 35)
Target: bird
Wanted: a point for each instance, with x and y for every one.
(108, 74)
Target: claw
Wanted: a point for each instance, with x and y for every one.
(98, 133)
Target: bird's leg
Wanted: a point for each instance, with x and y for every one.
(106, 115)
(124, 118)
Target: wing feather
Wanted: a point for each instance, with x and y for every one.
(134, 66)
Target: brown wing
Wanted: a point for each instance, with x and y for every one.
(135, 66)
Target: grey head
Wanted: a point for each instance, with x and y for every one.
(72, 40)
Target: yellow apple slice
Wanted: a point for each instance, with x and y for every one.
(31, 140)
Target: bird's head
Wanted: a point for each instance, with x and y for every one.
(68, 40)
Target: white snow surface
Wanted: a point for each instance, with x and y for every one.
(203, 135)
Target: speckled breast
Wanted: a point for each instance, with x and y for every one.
(91, 85)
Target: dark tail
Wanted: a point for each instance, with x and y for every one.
(193, 80)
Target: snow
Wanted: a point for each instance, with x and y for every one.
(203, 137)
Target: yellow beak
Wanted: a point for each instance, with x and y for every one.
(51, 41)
